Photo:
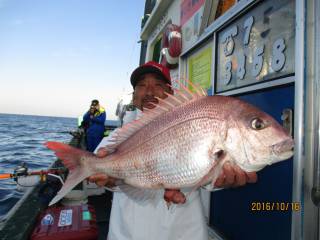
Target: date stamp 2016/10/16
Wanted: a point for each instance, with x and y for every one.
(275, 206)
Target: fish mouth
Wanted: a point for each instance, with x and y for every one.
(284, 149)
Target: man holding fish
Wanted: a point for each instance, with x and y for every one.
(131, 220)
(177, 144)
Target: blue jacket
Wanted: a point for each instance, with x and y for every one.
(95, 125)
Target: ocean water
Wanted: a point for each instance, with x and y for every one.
(21, 140)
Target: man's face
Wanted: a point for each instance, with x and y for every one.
(94, 107)
(148, 87)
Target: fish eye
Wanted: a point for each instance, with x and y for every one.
(257, 124)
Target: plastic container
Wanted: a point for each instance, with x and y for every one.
(66, 223)
(74, 197)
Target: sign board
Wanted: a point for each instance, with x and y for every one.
(256, 47)
(188, 9)
(190, 21)
(199, 68)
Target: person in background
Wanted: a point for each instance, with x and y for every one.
(93, 122)
(132, 221)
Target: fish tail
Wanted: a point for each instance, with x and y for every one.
(73, 159)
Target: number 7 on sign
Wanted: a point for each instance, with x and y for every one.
(248, 23)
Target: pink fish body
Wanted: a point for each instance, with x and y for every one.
(183, 142)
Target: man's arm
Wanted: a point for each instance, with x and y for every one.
(102, 179)
(86, 117)
(100, 118)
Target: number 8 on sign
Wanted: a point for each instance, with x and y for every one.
(278, 57)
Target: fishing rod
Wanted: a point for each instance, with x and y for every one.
(64, 132)
(21, 172)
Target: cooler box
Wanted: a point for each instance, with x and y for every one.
(66, 223)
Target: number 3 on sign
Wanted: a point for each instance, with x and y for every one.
(228, 73)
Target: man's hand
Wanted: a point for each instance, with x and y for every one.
(234, 176)
(102, 179)
(102, 152)
(92, 110)
(174, 196)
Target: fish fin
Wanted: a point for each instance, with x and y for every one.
(140, 195)
(180, 97)
(73, 179)
(218, 158)
(215, 174)
(211, 188)
(72, 158)
(184, 94)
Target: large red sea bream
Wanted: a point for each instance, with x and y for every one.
(182, 142)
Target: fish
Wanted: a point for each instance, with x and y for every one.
(182, 142)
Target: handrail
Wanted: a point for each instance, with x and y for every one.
(298, 163)
(315, 194)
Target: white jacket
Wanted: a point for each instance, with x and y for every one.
(130, 220)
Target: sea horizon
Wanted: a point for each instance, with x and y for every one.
(35, 115)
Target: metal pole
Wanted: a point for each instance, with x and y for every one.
(316, 94)
(311, 180)
(297, 224)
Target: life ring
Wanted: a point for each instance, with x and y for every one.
(171, 46)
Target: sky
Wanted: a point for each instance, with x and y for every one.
(58, 55)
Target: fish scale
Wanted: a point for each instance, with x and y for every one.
(178, 166)
(189, 111)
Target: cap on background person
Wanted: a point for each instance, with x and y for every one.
(150, 67)
(94, 102)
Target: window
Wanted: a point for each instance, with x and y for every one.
(156, 51)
